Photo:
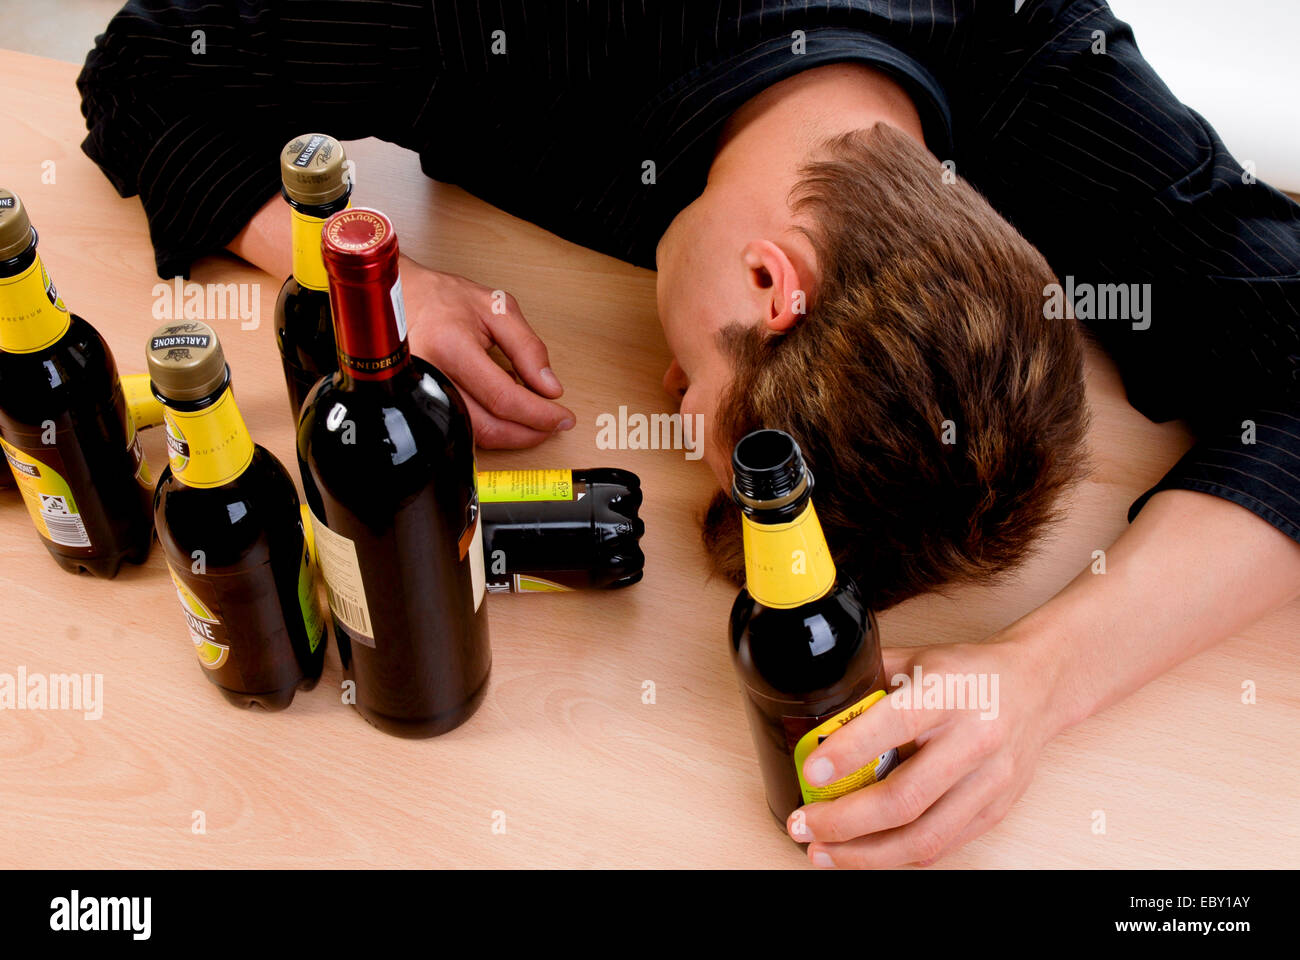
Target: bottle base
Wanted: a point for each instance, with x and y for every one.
(273, 701)
(105, 567)
(423, 728)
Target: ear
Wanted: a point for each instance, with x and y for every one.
(776, 282)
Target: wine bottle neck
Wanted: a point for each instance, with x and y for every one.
(32, 314)
(370, 326)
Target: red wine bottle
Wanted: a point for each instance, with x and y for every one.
(386, 451)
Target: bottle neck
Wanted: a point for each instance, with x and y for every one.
(32, 314)
(370, 325)
(787, 561)
(306, 221)
(208, 443)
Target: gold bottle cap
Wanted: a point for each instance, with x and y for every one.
(186, 361)
(15, 228)
(311, 167)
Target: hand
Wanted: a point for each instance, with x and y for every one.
(969, 767)
(452, 325)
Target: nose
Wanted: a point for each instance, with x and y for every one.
(675, 380)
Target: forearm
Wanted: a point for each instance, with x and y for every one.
(1191, 570)
(266, 241)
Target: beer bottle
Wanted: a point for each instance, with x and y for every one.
(64, 425)
(315, 184)
(386, 451)
(553, 530)
(805, 647)
(228, 520)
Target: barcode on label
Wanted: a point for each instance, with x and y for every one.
(66, 529)
(352, 614)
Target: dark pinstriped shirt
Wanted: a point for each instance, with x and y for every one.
(596, 119)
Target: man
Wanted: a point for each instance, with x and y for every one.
(807, 179)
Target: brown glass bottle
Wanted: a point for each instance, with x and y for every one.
(386, 451)
(313, 172)
(229, 523)
(64, 425)
(554, 530)
(805, 647)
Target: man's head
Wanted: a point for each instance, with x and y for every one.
(938, 411)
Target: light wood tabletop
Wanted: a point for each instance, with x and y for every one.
(565, 764)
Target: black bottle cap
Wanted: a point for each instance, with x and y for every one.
(768, 470)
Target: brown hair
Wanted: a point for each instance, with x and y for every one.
(927, 325)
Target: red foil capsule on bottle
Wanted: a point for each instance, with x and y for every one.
(360, 250)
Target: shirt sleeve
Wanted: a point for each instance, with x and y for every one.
(187, 104)
(1185, 267)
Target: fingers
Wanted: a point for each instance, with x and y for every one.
(901, 798)
(525, 348)
(887, 723)
(922, 840)
(493, 433)
(503, 397)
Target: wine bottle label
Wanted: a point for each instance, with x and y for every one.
(49, 499)
(343, 583)
(308, 263)
(207, 631)
(517, 486)
(876, 770)
(208, 447)
(309, 599)
(32, 314)
(787, 564)
(476, 569)
(399, 307)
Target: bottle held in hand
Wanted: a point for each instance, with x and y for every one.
(806, 649)
(229, 523)
(65, 429)
(386, 451)
(315, 184)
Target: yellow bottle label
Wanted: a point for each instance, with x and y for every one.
(512, 486)
(208, 447)
(144, 407)
(787, 564)
(524, 583)
(206, 629)
(49, 499)
(873, 771)
(143, 475)
(32, 315)
(309, 599)
(308, 262)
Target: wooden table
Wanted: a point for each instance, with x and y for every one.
(564, 752)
